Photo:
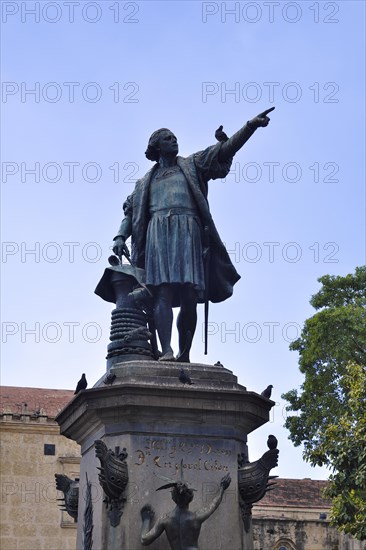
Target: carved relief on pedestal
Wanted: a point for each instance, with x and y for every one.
(182, 527)
(70, 489)
(88, 525)
(253, 479)
(113, 478)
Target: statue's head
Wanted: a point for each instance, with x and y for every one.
(182, 494)
(162, 142)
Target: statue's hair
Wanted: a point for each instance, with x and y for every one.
(151, 152)
(182, 490)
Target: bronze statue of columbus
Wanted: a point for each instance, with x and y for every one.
(173, 236)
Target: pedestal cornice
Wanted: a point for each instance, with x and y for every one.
(143, 391)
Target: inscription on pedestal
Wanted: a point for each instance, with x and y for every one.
(172, 454)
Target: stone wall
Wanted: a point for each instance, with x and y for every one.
(294, 516)
(30, 516)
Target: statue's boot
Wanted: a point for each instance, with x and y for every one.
(183, 355)
(168, 356)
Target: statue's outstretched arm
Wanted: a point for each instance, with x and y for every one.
(149, 535)
(236, 142)
(206, 511)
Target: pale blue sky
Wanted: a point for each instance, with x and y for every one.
(172, 69)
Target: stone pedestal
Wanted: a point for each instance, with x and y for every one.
(165, 427)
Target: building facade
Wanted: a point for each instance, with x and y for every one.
(293, 516)
(32, 452)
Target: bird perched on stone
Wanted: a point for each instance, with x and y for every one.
(220, 135)
(110, 378)
(218, 364)
(272, 442)
(81, 385)
(267, 392)
(184, 378)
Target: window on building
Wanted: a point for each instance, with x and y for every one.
(285, 544)
(49, 449)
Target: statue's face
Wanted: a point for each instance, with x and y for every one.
(167, 145)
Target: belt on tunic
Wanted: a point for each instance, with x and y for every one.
(174, 212)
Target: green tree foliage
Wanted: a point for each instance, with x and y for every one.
(345, 446)
(330, 409)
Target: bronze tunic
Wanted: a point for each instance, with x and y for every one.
(173, 239)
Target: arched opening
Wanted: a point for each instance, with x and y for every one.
(284, 544)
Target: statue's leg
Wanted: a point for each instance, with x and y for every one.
(186, 321)
(163, 318)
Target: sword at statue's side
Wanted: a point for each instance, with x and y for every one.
(206, 266)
